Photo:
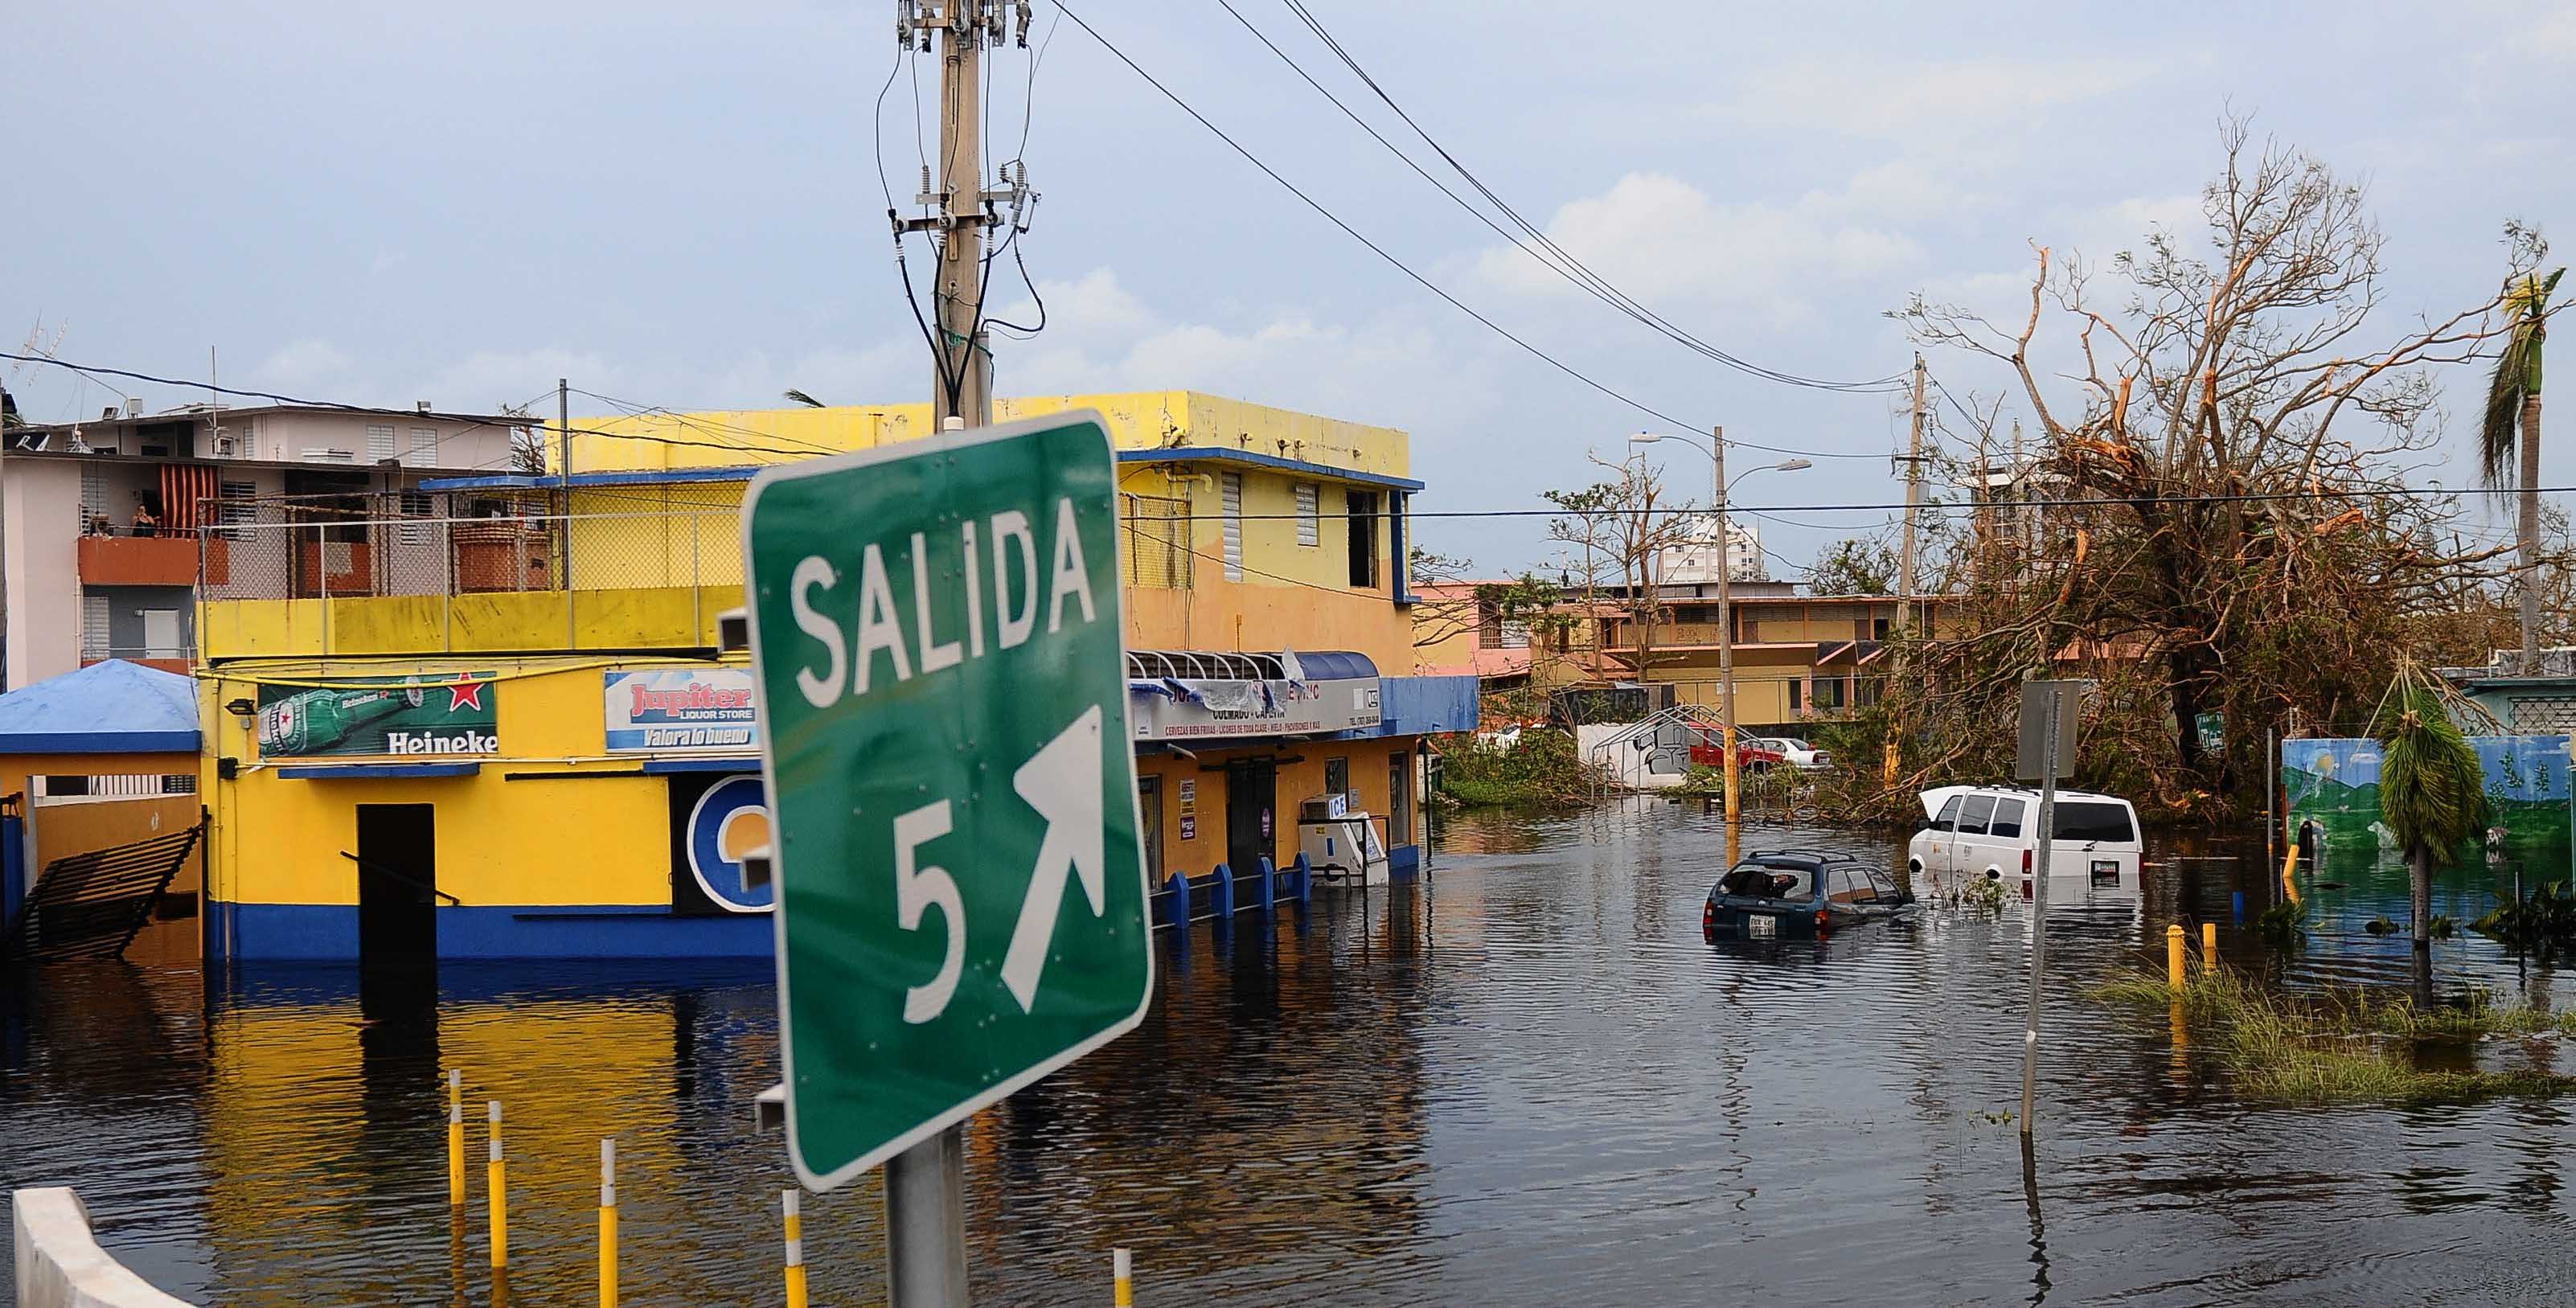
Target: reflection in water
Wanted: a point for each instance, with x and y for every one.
(1526, 1080)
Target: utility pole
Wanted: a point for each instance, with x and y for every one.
(1913, 502)
(926, 1184)
(563, 469)
(1725, 625)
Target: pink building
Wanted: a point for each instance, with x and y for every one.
(103, 555)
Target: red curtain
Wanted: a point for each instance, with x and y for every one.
(184, 487)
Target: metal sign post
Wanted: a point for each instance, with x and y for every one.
(937, 634)
(2049, 712)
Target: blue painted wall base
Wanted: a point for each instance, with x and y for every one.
(328, 933)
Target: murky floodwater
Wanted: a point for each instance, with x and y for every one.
(1525, 1080)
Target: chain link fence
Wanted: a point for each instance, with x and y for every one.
(272, 550)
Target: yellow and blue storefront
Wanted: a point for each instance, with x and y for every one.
(520, 738)
(602, 808)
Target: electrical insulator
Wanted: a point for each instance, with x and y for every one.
(1023, 7)
(904, 19)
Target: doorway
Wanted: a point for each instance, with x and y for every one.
(1149, 826)
(1251, 813)
(397, 877)
(1399, 799)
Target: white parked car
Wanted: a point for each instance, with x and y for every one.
(1988, 832)
(1800, 754)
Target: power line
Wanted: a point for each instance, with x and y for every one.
(2397, 492)
(477, 420)
(1405, 268)
(1563, 263)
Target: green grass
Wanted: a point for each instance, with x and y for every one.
(2335, 1048)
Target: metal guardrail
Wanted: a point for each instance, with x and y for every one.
(92, 905)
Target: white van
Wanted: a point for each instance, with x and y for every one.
(1979, 832)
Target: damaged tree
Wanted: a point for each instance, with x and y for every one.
(2221, 523)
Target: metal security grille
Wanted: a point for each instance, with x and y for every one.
(1157, 541)
(1231, 488)
(94, 627)
(2543, 715)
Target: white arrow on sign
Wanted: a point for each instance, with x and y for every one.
(1062, 782)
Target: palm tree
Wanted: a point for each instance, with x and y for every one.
(2514, 395)
(2432, 790)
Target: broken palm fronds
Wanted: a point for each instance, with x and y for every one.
(2334, 1048)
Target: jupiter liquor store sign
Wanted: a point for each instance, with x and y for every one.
(402, 716)
(681, 710)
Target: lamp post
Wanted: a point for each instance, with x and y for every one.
(1716, 451)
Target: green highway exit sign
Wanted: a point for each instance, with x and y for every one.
(938, 637)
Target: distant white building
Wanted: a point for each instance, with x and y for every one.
(1695, 560)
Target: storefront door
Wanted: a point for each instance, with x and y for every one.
(397, 875)
(1251, 813)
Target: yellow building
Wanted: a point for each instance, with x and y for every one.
(524, 741)
(1798, 658)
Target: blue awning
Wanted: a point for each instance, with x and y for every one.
(1336, 665)
(114, 707)
(379, 771)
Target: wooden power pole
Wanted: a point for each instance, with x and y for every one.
(1913, 503)
(925, 1185)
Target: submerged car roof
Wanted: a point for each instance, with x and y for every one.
(1810, 859)
(1934, 798)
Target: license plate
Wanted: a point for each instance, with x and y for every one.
(1762, 926)
(2106, 874)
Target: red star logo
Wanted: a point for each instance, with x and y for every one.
(465, 694)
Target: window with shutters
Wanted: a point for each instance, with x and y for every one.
(1230, 488)
(94, 627)
(416, 504)
(423, 450)
(1310, 528)
(235, 510)
(380, 443)
(93, 495)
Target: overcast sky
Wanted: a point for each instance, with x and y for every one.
(679, 203)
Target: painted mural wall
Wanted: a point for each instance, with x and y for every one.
(2335, 783)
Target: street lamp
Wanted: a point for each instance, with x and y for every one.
(1716, 451)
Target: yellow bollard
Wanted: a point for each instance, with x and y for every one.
(608, 1224)
(1124, 1286)
(500, 1195)
(455, 1138)
(2173, 955)
(2209, 945)
(787, 1200)
(2289, 866)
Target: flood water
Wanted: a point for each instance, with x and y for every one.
(1525, 1079)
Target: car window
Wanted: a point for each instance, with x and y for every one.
(1850, 887)
(2007, 819)
(1766, 881)
(1949, 813)
(1972, 819)
(2094, 820)
(1884, 884)
(1795, 743)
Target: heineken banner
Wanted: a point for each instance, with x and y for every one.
(701, 709)
(407, 716)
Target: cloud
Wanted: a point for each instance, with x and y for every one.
(1661, 238)
(1904, 100)
(308, 364)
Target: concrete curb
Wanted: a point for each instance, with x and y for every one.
(59, 1263)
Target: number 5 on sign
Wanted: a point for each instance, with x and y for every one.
(937, 633)
(930, 887)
